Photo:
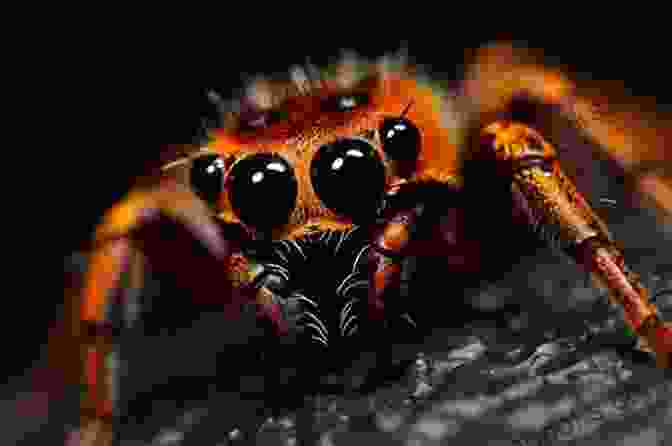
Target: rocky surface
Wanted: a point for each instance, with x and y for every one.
(561, 368)
(473, 384)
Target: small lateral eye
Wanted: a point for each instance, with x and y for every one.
(401, 139)
(534, 145)
(207, 176)
(347, 102)
(263, 119)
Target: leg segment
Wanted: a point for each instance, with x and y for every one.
(547, 197)
(390, 245)
(176, 233)
(633, 131)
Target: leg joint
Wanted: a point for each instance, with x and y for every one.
(516, 143)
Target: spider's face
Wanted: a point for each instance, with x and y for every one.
(317, 155)
(313, 157)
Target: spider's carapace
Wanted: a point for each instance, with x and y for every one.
(329, 112)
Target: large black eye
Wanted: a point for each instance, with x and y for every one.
(349, 177)
(262, 190)
(401, 139)
(206, 177)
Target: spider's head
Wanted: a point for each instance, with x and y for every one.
(319, 151)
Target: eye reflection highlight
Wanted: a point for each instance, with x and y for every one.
(215, 166)
(337, 164)
(277, 167)
(257, 177)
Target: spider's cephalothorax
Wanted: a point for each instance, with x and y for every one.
(345, 140)
(333, 178)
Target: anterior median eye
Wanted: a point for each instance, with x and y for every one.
(263, 190)
(206, 177)
(349, 177)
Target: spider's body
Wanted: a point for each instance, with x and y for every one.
(338, 178)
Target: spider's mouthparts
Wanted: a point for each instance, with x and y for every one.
(320, 281)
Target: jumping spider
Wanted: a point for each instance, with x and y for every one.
(330, 179)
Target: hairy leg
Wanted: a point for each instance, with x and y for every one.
(632, 130)
(562, 216)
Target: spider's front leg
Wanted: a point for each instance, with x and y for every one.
(175, 232)
(550, 201)
(633, 131)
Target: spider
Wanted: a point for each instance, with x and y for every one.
(315, 189)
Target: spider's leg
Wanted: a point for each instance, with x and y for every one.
(171, 229)
(550, 201)
(390, 247)
(633, 131)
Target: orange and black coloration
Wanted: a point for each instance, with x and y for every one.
(277, 162)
